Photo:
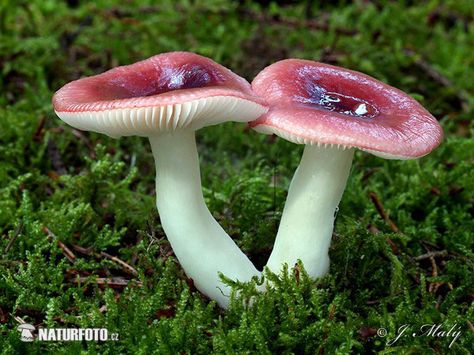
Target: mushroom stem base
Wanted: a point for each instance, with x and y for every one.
(307, 221)
(201, 245)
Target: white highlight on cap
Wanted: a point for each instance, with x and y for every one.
(361, 110)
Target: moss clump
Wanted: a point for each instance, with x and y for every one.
(72, 201)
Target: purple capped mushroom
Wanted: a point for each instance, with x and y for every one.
(332, 111)
(167, 98)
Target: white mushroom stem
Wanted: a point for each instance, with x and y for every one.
(308, 216)
(201, 245)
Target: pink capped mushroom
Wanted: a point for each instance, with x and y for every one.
(167, 98)
(332, 111)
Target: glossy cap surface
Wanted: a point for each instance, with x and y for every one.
(163, 93)
(320, 104)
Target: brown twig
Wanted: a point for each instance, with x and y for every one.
(369, 173)
(372, 302)
(38, 135)
(434, 286)
(292, 22)
(19, 320)
(434, 267)
(393, 246)
(82, 250)
(130, 269)
(89, 251)
(66, 251)
(18, 231)
(428, 69)
(438, 77)
(297, 273)
(432, 254)
(380, 209)
(114, 282)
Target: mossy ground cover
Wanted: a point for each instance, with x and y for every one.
(73, 203)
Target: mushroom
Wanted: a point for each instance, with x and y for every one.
(332, 111)
(167, 98)
(26, 332)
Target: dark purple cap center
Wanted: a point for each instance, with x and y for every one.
(187, 76)
(321, 97)
(166, 79)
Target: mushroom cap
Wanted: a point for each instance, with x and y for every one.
(320, 104)
(163, 93)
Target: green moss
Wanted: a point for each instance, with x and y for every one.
(94, 194)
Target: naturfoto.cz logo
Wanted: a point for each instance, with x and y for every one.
(65, 334)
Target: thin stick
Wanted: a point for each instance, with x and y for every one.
(431, 254)
(434, 267)
(438, 77)
(126, 266)
(19, 320)
(88, 251)
(110, 281)
(18, 231)
(434, 272)
(82, 250)
(39, 132)
(381, 210)
(66, 251)
(293, 22)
